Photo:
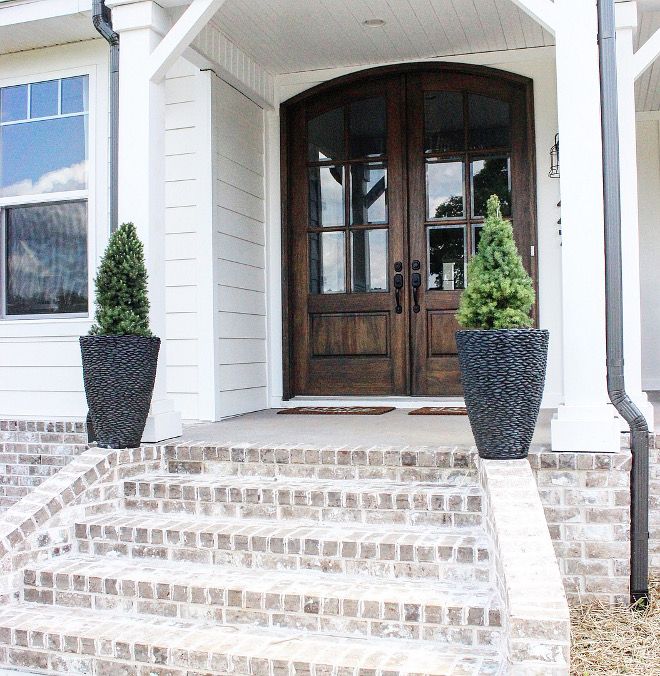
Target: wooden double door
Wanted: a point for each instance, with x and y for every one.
(386, 181)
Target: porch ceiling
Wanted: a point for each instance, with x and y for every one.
(288, 36)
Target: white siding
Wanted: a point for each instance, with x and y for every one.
(648, 172)
(240, 300)
(184, 223)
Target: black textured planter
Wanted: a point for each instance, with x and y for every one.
(119, 374)
(503, 373)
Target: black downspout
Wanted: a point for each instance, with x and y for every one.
(103, 23)
(102, 20)
(639, 431)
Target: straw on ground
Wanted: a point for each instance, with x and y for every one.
(608, 641)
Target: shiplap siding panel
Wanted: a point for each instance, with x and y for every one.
(240, 251)
(182, 201)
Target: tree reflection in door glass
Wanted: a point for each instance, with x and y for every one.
(491, 176)
(444, 189)
(446, 252)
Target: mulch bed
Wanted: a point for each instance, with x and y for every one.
(607, 641)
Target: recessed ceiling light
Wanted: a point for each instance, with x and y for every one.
(374, 23)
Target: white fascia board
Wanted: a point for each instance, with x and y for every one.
(13, 12)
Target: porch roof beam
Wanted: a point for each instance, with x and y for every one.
(644, 57)
(180, 36)
(542, 11)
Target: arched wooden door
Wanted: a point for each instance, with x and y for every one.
(386, 176)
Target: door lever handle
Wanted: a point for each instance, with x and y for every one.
(416, 281)
(398, 285)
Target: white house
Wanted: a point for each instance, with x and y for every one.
(309, 178)
(216, 100)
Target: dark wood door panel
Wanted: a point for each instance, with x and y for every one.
(350, 335)
(367, 376)
(442, 326)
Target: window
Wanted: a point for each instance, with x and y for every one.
(43, 198)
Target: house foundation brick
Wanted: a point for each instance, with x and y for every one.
(33, 450)
(586, 499)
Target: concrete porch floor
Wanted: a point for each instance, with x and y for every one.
(396, 428)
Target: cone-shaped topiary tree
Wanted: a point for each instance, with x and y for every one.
(122, 304)
(499, 293)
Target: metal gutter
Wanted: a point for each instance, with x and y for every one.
(639, 430)
(102, 20)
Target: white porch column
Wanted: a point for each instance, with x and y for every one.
(626, 22)
(585, 421)
(141, 25)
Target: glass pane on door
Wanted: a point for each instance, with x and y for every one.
(327, 268)
(443, 122)
(491, 176)
(326, 196)
(368, 128)
(446, 258)
(369, 260)
(445, 196)
(325, 136)
(368, 193)
(490, 122)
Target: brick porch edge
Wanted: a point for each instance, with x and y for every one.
(536, 618)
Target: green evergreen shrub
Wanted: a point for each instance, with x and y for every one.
(122, 304)
(499, 293)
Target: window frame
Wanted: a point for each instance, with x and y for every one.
(43, 199)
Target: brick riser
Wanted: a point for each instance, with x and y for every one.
(408, 610)
(271, 545)
(437, 465)
(368, 502)
(124, 646)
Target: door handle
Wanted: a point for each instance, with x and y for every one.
(416, 281)
(398, 285)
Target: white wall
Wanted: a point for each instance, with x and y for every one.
(187, 223)
(40, 371)
(537, 64)
(240, 237)
(648, 170)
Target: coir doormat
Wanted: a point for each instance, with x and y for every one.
(439, 410)
(336, 410)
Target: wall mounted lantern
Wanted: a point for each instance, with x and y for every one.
(554, 159)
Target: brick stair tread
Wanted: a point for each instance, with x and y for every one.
(464, 483)
(395, 534)
(303, 583)
(128, 641)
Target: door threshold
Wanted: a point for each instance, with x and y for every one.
(396, 402)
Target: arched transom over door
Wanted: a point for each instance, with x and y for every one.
(386, 180)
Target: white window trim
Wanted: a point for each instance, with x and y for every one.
(90, 195)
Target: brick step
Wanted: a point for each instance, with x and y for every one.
(469, 615)
(81, 641)
(407, 464)
(454, 504)
(391, 551)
